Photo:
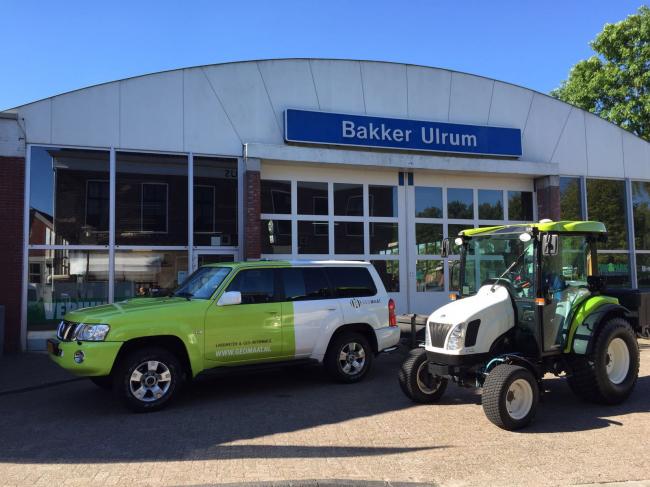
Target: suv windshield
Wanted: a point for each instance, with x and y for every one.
(500, 256)
(202, 283)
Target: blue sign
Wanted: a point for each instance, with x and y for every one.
(311, 127)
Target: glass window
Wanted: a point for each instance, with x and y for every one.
(641, 207)
(97, 201)
(428, 202)
(520, 205)
(154, 207)
(68, 199)
(570, 199)
(62, 281)
(148, 273)
(255, 285)
(348, 238)
(312, 198)
(202, 283)
(276, 236)
(615, 268)
(452, 232)
(384, 238)
(428, 238)
(643, 270)
(151, 199)
(388, 271)
(313, 237)
(460, 204)
(348, 199)
(349, 282)
(490, 204)
(215, 202)
(307, 283)
(382, 200)
(606, 203)
(276, 196)
(429, 276)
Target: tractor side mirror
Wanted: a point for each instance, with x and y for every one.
(549, 244)
(444, 251)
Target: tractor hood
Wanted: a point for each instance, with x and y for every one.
(473, 307)
(491, 305)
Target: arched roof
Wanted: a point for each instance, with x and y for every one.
(215, 109)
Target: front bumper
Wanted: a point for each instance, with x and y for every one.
(387, 337)
(99, 357)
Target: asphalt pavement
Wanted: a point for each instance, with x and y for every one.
(295, 425)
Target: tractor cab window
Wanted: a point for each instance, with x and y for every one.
(504, 258)
(564, 285)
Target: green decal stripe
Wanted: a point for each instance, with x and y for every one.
(585, 309)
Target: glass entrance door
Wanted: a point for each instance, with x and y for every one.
(204, 257)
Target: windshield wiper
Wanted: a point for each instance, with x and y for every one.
(507, 270)
(184, 294)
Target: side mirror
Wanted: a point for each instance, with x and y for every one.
(444, 251)
(229, 298)
(549, 244)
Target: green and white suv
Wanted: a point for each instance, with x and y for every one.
(227, 315)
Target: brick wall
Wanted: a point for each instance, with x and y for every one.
(12, 170)
(252, 225)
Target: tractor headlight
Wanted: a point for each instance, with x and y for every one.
(91, 333)
(456, 338)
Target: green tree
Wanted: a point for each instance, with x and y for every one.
(615, 82)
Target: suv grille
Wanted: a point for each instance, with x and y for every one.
(66, 331)
(438, 333)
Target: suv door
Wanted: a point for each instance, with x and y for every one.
(250, 331)
(308, 308)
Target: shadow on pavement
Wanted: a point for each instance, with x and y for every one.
(79, 423)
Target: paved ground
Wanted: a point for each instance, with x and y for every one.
(296, 425)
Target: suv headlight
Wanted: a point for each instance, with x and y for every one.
(91, 333)
(456, 338)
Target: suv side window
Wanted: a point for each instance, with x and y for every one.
(351, 282)
(306, 283)
(255, 285)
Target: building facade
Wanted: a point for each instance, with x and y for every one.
(119, 190)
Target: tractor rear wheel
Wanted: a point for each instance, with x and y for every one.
(510, 396)
(417, 382)
(608, 375)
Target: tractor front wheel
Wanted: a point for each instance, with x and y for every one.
(609, 374)
(417, 382)
(510, 396)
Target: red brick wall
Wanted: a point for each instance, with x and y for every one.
(252, 225)
(12, 178)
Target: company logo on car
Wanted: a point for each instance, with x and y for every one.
(356, 302)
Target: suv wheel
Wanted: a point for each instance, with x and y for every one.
(349, 357)
(148, 379)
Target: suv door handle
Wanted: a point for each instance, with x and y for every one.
(331, 309)
(271, 312)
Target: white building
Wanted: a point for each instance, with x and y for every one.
(131, 184)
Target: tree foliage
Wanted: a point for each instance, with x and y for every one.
(615, 82)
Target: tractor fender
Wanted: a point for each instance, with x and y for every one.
(582, 340)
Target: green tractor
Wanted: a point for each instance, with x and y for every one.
(530, 303)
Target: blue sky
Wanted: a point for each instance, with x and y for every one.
(55, 46)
